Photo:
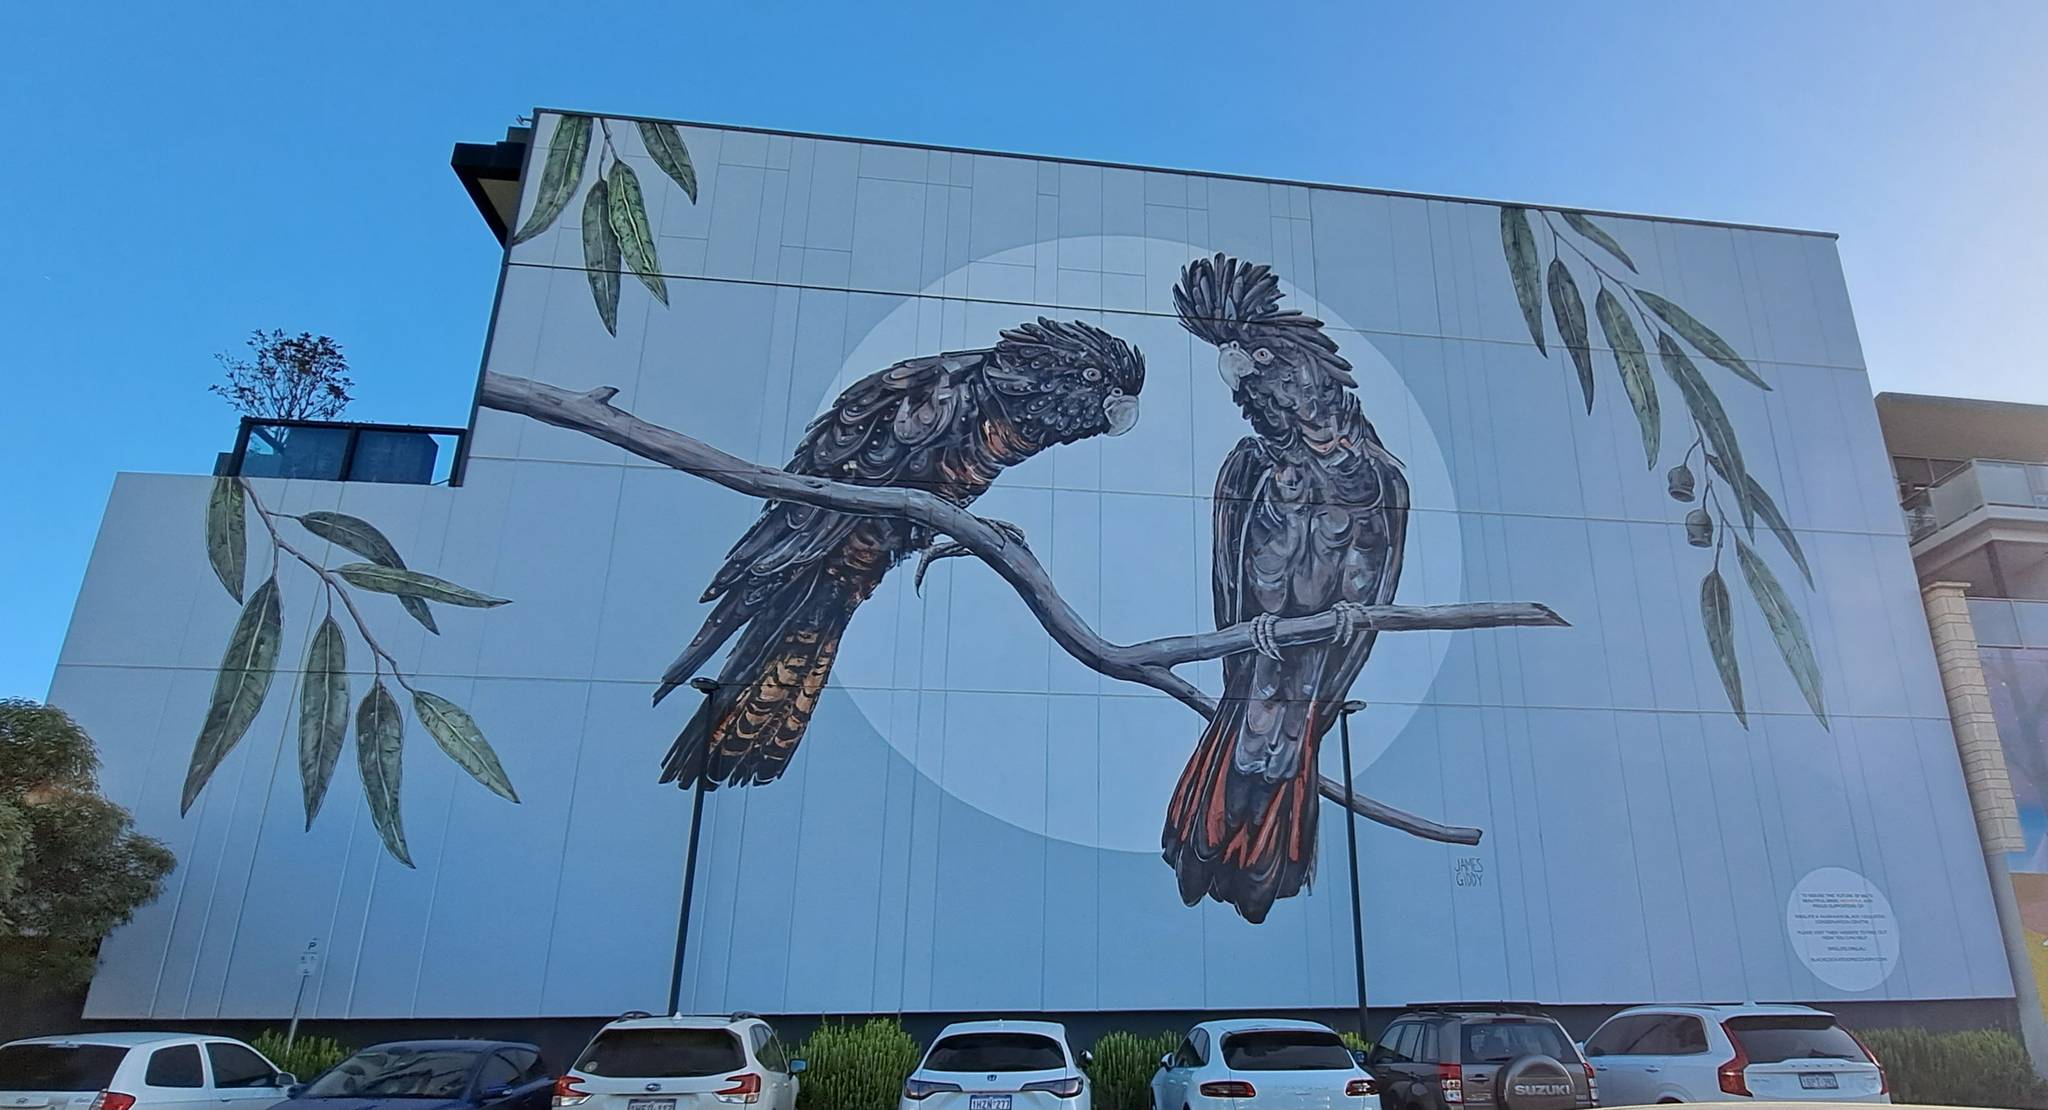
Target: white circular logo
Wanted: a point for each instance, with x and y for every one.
(1842, 928)
(934, 676)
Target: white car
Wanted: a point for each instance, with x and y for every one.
(680, 1063)
(137, 1071)
(1263, 1062)
(1652, 1054)
(1000, 1065)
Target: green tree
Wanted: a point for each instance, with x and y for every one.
(72, 867)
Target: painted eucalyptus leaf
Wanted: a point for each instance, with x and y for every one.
(1634, 367)
(1719, 620)
(453, 728)
(1702, 337)
(665, 145)
(1568, 309)
(360, 536)
(239, 687)
(1773, 518)
(227, 534)
(1585, 226)
(1787, 628)
(1712, 418)
(1519, 244)
(627, 210)
(601, 259)
(559, 176)
(380, 741)
(397, 580)
(323, 713)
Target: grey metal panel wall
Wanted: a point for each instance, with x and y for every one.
(969, 823)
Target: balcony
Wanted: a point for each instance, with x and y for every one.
(345, 452)
(1980, 484)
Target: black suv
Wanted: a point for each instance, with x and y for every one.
(1479, 1056)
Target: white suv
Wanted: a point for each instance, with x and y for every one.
(1652, 1054)
(680, 1063)
(1000, 1065)
(137, 1071)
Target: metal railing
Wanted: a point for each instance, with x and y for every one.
(345, 452)
(1975, 485)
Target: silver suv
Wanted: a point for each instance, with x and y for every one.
(641, 1062)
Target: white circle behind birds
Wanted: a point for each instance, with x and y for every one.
(965, 683)
(1842, 928)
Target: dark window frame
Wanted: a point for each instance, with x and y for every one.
(151, 1077)
(248, 1083)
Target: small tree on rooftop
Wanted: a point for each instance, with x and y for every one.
(71, 865)
(293, 377)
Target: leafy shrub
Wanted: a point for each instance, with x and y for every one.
(856, 1067)
(307, 1057)
(1123, 1067)
(1976, 1067)
(1354, 1042)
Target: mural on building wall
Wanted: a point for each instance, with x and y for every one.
(248, 664)
(1309, 524)
(1714, 439)
(616, 232)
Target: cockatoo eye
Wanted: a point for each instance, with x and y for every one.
(1262, 356)
(1091, 374)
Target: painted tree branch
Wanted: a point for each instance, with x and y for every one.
(1148, 663)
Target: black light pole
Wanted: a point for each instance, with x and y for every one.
(1351, 840)
(706, 687)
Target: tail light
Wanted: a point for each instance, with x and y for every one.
(1062, 1088)
(567, 1093)
(1730, 1073)
(113, 1100)
(1451, 1078)
(1361, 1088)
(1592, 1083)
(746, 1087)
(1884, 1079)
(919, 1089)
(1228, 1088)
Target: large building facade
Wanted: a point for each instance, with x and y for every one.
(1730, 774)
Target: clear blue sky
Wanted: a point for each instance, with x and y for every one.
(177, 175)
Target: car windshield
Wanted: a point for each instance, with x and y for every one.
(58, 1067)
(1771, 1040)
(398, 1071)
(1286, 1050)
(669, 1053)
(996, 1052)
(1497, 1042)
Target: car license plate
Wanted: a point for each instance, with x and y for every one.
(1819, 1081)
(650, 1104)
(988, 1102)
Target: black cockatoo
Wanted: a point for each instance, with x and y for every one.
(1310, 515)
(947, 424)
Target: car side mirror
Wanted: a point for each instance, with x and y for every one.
(295, 1090)
(796, 1066)
(1086, 1058)
(284, 1079)
(1166, 1061)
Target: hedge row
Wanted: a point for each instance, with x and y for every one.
(1977, 1067)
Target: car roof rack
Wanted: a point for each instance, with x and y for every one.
(742, 1015)
(1478, 1007)
(633, 1015)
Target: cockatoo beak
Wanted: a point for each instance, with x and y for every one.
(1121, 410)
(1233, 364)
